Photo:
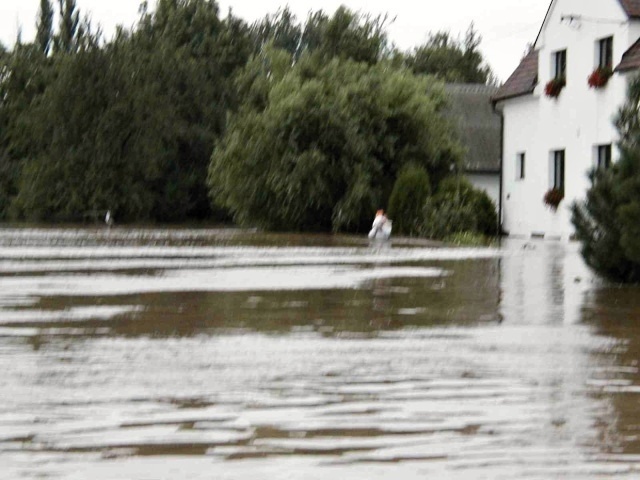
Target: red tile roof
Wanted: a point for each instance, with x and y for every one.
(630, 58)
(522, 81)
(632, 7)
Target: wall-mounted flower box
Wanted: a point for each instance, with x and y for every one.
(553, 198)
(554, 87)
(599, 77)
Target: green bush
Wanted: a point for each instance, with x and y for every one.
(458, 207)
(486, 212)
(446, 214)
(409, 194)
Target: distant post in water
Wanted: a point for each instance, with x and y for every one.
(108, 219)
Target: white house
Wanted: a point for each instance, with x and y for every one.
(552, 142)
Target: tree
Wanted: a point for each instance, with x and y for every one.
(450, 59)
(44, 26)
(138, 131)
(323, 150)
(345, 34)
(201, 54)
(83, 157)
(606, 222)
(348, 35)
(65, 41)
(24, 75)
(281, 30)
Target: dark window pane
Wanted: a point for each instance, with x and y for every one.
(558, 170)
(606, 52)
(604, 156)
(560, 61)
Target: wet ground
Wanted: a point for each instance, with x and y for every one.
(199, 354)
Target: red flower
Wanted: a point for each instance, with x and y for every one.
(554, 87)
(599, 77)
(553, 198)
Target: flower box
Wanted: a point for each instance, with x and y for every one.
(599, 77)
(553, 198)
(554, 87)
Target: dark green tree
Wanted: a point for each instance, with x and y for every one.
(66, 39)
(137, 133)
(346, 35)
(44, 26)
(606, 222)
(281, 30)
(451, 59)
(82, 157)
(26, 72)
(208, 51)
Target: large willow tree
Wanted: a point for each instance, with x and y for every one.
(318, 146)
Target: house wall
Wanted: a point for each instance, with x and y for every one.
(577, 121)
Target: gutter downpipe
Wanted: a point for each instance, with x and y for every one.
(499, 112)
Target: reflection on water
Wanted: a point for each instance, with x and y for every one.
(222, 353)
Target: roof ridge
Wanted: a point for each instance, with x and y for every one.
(471, 88)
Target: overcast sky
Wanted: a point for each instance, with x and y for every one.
(506, 26)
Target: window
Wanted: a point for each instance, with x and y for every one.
(560, 64)
(520, 159)
(605, 52)
(558, 170)
(603, 159)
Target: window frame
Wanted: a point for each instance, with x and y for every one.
(603, 156)
(559, 64)
(605, 52)
(521, 159)
(558, 169)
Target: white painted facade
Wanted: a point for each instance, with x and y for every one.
(579, 120)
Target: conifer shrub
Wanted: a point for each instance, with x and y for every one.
(607, 221)
(410, 191)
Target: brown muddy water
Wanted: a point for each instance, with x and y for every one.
(222, 354)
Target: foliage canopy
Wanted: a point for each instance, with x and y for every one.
(451, 59)
(322, 149)
(285, 124)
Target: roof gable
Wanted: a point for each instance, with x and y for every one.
(630, 7)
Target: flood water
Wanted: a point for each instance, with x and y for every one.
(225, 354)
